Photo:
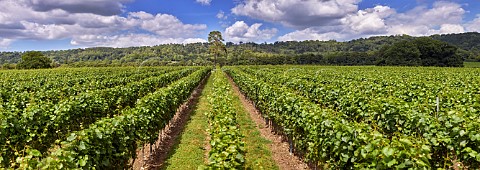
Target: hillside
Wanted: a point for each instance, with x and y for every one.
(361, 51)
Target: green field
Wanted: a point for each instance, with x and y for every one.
(472, 64)
(372, 117)
(364, 117)
(69, 118)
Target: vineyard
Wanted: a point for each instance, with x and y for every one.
(371, 117)
(223, 125)
(330, 117)
(87, 118)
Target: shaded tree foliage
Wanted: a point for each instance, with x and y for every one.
(7, 66)
(403, 53)
(422, 51)
(363, 51)
(34, 60)
(468, 43)
(216, 46)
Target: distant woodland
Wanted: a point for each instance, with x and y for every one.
(437, 50)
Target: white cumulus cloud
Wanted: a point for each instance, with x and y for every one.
(240, 31)
(311, 34)
(371, 20)
(221, 15)
(424, 21)
(451, 28)
(166, 25)
(88, 21)
(204, 2)
(474, 25)
(297, 13)
(129, 40)
(442, 18)
(4, 43)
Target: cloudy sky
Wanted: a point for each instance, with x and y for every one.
(66, 24)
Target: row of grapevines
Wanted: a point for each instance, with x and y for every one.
(32, 81)
(111, 142)
(43, 124)
(325, 137)
(409, 109)
(20, 95)
(14, 78)
(422, 86)
(227, 148)
(16, 101)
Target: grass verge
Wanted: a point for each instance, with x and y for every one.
(258, 155)
(189, 149)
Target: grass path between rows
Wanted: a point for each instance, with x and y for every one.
(189, 151)
(258, 155)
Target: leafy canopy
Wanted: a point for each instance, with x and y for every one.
(34, 60)
(216, 44)
(423, 51)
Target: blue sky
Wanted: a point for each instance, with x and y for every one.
(66, 24)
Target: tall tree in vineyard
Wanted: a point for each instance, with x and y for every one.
(216, 46)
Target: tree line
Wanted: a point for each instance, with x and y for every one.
(436, 50)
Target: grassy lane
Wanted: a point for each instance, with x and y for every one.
(189, 150)
(258, 155)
